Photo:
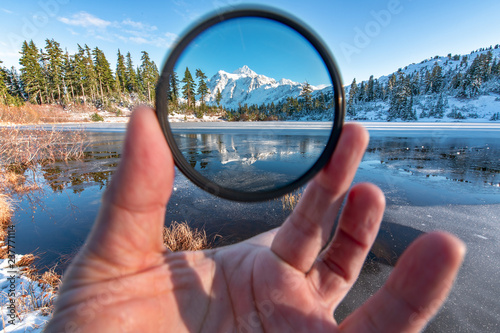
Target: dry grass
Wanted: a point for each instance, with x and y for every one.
(6, 210)
(13, 182)
(290, 200)
(33, 114)
(26, 260)
(39, 293)
(181, 237)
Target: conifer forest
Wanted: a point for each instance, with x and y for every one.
(52, 76)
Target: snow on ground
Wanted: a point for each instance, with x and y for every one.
(479, 109)
(109, 117)
(23, 290)
(177, 117)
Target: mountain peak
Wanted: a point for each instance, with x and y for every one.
(245, 70)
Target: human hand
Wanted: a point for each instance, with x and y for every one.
(124, 280)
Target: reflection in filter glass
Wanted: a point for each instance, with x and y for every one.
(251, 163)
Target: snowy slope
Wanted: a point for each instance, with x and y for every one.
(480, 108)
(446, 63)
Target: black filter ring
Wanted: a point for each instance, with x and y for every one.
(162, 101)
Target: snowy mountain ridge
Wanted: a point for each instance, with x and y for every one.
(447, 63)
(244, 86)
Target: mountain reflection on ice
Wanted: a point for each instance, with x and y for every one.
(251, 161)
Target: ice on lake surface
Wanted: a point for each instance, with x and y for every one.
(435, 177)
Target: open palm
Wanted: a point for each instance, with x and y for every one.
(289, 279)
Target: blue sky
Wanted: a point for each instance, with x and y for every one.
(263, 45)
(366, 37)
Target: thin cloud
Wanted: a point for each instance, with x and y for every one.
(6, 11)
(139, 25)
(162, 41)
(171, 36)
(73, 32)
(127, 30)
(139, 40)
(86, 20)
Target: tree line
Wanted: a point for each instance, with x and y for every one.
(189, 90)
(193, 101)
(317, 106)
(463, 80)
(53, 76)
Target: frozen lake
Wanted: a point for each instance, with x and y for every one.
(435, 176)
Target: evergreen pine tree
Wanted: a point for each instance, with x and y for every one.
(104, 75)
(438, 111)
(362, 92)
(3, 85)
(70, 79)
(54, 69)
(370, 89)
(202, 86)
(174, 89)
(390, 85)
(401, 102)
(188, 89)
(14, 84)
(84, 72)
(149, 75)
(473, 79)
(306, 93)
(90, 73)
(121, 72)
(9, 87)
(32, 73)
(415, 84)
(378, 91)
(218, 97)
(456, 81)
(351, 102)
(130, 75)
(436, 79)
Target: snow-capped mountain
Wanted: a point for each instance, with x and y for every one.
(244, 86)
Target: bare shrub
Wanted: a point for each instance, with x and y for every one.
(14, 182)
(6, 209)
(181, 237)
(27, 147)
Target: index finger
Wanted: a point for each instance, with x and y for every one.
(308, 228)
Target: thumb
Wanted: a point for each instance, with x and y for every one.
(128, 230)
